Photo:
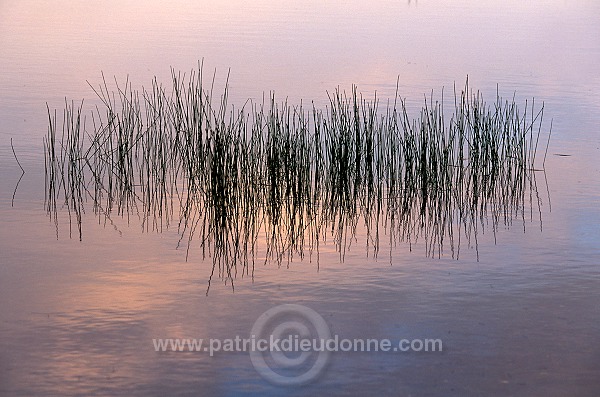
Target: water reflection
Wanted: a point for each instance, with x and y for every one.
(271, 181)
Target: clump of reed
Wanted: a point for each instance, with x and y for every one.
(287, 177)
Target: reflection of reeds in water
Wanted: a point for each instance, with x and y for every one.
(290, 175)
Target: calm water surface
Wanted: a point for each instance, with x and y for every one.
(78, 318)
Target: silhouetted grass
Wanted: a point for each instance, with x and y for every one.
(288, 177)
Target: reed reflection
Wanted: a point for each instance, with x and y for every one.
(270, 181)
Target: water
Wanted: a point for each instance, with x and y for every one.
(78, 318)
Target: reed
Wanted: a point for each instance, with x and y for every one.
(286, 177)
(22, 173)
